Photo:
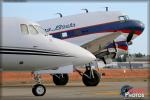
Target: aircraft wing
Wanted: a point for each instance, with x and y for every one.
(98, 45)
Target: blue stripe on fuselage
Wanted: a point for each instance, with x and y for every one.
(107, 27)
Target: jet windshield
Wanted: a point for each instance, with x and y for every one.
(40, 29)
(32, 29)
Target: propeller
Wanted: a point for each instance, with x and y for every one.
(103, 59)
(130, 43)
(130, 37)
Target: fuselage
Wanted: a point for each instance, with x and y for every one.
(26, 47)
(81, 29)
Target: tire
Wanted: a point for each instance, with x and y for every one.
(93, 81)
(125, 89)
(38, 90)
(62, 80)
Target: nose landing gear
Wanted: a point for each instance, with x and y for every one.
(38, 89)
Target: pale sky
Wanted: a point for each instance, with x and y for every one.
(36, 11)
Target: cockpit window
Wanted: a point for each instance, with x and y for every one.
(40, 29)
(24, 28)
(123, 18)
(32, 30)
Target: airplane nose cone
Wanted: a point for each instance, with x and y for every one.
(139, 25)
(80, 55)
(136, 26)
(85, 57)
(90, 56)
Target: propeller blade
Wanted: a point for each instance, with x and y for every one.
(103, 59)
(130, 36)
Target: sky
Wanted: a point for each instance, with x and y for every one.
(36, 11)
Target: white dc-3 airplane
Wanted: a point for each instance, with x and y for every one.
(26, 46)
(106, 34)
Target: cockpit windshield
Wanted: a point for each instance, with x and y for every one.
(32, 29)
(123, 18)
(40, 29)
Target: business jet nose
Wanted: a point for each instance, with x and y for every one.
(84, 57)
(80, 55)
(88, 56)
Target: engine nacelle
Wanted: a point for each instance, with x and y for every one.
(113, 50)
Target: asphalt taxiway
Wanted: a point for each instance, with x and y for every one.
(72, 91)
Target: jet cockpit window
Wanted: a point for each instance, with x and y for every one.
(24, 28)
(32, 30)
(123, 18)
(40, 30)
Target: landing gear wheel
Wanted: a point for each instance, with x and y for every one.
(90, 80)
(38, 90)
(60, 79)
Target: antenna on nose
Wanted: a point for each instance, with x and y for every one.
(106, 8)
(60, 15)
(86, 10)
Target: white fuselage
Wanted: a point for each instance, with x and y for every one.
(37, 51)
